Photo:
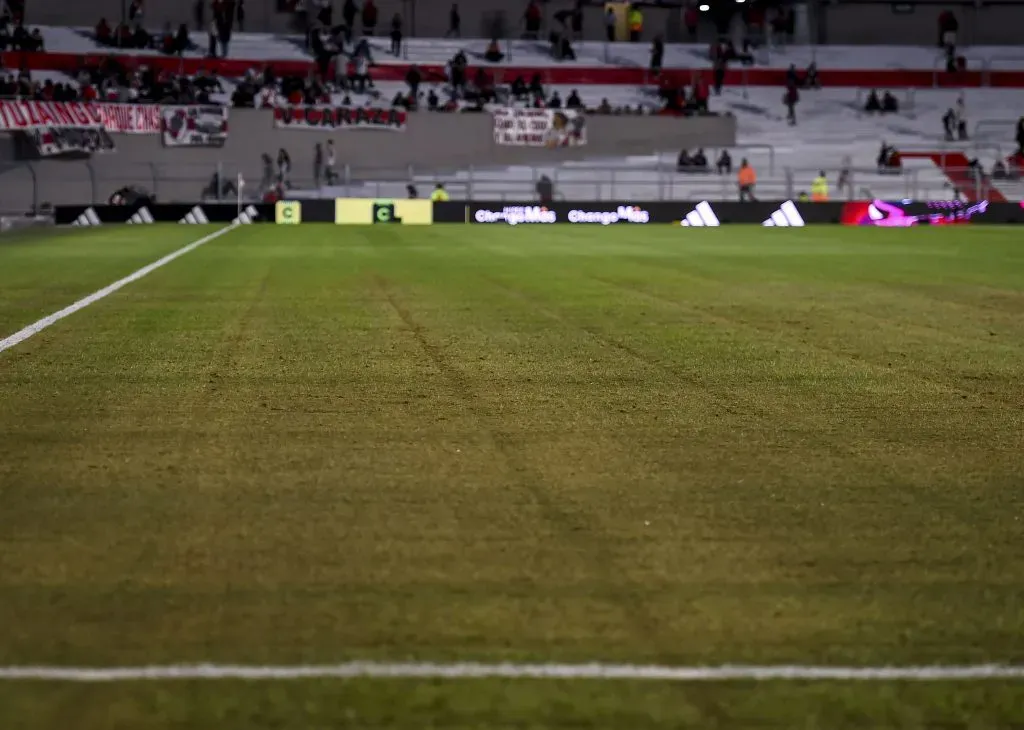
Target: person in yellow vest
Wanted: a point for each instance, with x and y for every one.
(819, 189)
(439, 194)
(804, 197)
(635, 21)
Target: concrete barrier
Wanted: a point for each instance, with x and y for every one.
(430, 141)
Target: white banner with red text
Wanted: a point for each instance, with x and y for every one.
(539, 127)
(327, 118)
(25, 116)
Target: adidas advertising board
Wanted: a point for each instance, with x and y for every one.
(702, 214)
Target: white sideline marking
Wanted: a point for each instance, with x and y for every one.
(37, 327)
(428, 670)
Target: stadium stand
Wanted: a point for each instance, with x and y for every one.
(163, 55)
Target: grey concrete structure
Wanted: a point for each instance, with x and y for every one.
(430, 142)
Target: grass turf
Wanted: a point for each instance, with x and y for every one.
(565, 444)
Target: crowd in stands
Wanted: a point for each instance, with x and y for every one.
(14, 36)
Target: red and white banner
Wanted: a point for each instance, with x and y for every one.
(23, 116)
(195, 126)
(539, 127)
(341, 117)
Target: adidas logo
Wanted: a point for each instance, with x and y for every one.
(142, 215)
(88, 218)
(247, 216)
(786, 215)
(195, 217)
(702, 215)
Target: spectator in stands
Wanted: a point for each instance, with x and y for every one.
(240, 15)
(531, 20)
(604, 107)
(457, 72)
(413, 78)
(224, 24)
(888, 160)
(574, 101)
(999, 170)
(961, 117)
(793, 76)
(889, 103)
(432, 100)
(536, 87)
(873, 104)
(545, 190)
(555, 102)
(493, 53)
(396, 35)
(211, 51)
(1019, 138)
(699, 161)
(948, 27)
(718, 70)
(611, 22)
(517, 89)
(104, 35)
(140, 38)
(811, 80)
(635, 22)
(790, 99)
(454, 22)
(135, 11)
(746, 179)
(369, 17)
(181, 40)
(657, 55)
(724, 163)
(691, 19)
(284, 167)
(561, 46)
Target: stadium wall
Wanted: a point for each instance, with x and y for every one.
(429, 141)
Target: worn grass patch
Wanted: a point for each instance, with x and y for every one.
(566, 444)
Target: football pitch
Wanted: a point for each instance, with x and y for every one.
(302, 446)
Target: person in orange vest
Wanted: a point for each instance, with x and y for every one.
(746, 178)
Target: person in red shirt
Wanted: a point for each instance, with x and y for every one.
(369, 17)
(690, 19)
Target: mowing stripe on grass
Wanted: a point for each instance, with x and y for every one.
(37, 327)
(428, 670)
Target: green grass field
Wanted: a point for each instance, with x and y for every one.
(641, 445)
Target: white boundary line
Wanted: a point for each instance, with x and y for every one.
(427, 670)
(37, 327)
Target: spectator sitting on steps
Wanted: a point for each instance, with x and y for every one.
(684, 162)
(555, 102)
(699, 162)
(811, 76)
(574, 101)
(724, 163)
(889, 103)
(873, 104)
(888, 160)
(218, 188)
(432, 100)
(545, 190)
(493, 53)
